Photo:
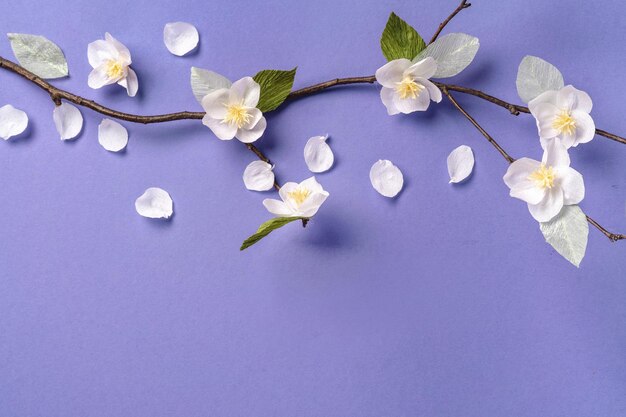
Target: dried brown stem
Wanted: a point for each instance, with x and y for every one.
(464, 5)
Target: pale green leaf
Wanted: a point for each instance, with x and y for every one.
(400, 40)
(39, 55)
(567, 233)
(275, 87)
(267, 227)
(204, 81)
(453, 53)
(535, 76)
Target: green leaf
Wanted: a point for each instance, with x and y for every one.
(400, 40)
(567, 233)
(267, 227)
(275, 87)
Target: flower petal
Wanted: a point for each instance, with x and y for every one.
(519, 171)
(528, 191)
(112, 136)
(312, 185)
(122, 50)
(245, 89)
(155, 203)
(180, 37)
(386, 95)
(68, 120)
(545, 114)
(130, 82)
(410, 105)
(545, 97)
(549, 207)
(425, 68)
(99, 52)
(572, 184)
(277, 207)
(391, 73)
(12, 121)
(98, 77)
(286, 189)
(318, 155)
(223, 131)
(258, 176)
(251, 135)
(555, 154)
(215, 103)
(460, 163)
(570, 98)
(312, 204)
(433, 91)
(386, 178)
(585, 127)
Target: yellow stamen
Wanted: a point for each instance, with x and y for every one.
(408, 88)
(299, 195)
(543, 177)
(114, 69)
(564, 123)
(237, 114)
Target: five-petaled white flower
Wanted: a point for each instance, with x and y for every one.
(548, 185)
(111, 61)
(563, 114)
(232, 113)
(406, 87)
(299, 200)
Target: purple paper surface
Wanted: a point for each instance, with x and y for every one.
(444, 302)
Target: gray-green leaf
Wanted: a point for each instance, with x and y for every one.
(275, 87)
(453, 53)
(39, 55)
(204, 81)
(567, 233)
(400, 40)
(266, 228)
(536, 76)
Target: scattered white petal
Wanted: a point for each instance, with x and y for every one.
(460, 163)
(68, 120)
(180, 37)
(258, 176)
(155, 203)
(112, 135)
(12, 121)
(318, 155)
(386, 178)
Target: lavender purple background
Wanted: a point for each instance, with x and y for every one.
(445, 302)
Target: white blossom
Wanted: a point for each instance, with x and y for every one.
(298, 200)
(406, 86)
(111, 61)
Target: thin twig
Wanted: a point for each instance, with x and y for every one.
(464, 5)
(613, 237)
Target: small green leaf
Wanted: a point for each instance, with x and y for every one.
(267, 227)
(400, 40)
(275, 87)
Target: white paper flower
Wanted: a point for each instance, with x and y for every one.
(112, 136)
(406, 87)
(563, 114)
(547, 185)
(231, 112)
(318, 155)
(180, 37)
(111, 61)
(258, 176)
(155, 203)
(298, 200)
(68, 120)
(386, 178)
(460, 163)
(12, 121)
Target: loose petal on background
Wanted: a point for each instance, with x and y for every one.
(155, 203)
(12, 121)
(258, 176)
(386, 178)
(318, 155)
(68, 120)
(180, 38)
(460, 163)
(112, 135)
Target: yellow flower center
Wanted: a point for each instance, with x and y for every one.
(114, 69)
(408, 88)
(564, 123)
(237, 114)
(543, 177)
(299, 195)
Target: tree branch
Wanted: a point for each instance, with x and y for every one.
(464, 5)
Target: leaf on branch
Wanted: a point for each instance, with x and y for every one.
(267, 227)
(275, 87)
(567, 233)
(39, 55)
(400, 40)
(453, 53)
(204, 81)
(536, 76)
